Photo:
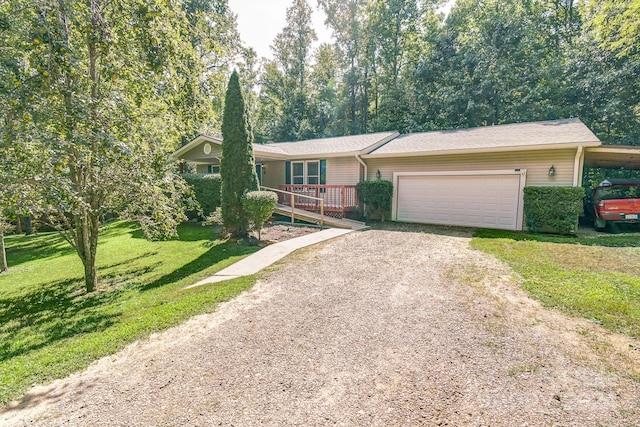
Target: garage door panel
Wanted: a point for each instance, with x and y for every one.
(484, 200)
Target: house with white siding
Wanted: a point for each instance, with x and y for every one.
(468, 177)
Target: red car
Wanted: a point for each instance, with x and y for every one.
(614, 201)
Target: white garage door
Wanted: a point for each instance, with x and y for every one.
(479, 199)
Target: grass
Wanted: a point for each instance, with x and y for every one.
(49, 327)
(597, 278)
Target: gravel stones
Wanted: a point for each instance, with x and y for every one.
(374, 328)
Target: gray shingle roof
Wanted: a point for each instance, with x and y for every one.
(325, 146)
(268, 149)
(547, 134)
(518, 136)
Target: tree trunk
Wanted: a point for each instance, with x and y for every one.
(18, 224)
(3, 254)
(90, 275)
(86, 242)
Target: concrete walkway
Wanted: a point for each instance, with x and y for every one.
(269, 255)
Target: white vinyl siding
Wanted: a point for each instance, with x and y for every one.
(196, 154)
(537, 164)
(273, 174)
(343, 171)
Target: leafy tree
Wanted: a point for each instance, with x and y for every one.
(237, 166)
(603, 72)
(615, 23)
(323, 91)
(286, 81)
(214, 35)
(104, 91)
(348, 20)
(270, 102)
(394, 29)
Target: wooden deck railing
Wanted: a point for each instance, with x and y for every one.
(337, 199)
(292, 198)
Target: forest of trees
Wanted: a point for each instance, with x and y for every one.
(400, 65)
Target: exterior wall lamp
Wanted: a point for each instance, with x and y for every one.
(378, 174)
(552, 171)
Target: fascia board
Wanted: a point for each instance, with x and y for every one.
(483, 150)
(194, 143)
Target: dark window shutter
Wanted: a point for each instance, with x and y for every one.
(259, 173)
(287, 172)
(323, 172)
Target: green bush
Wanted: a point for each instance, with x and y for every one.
(376, 195)
(259, 205)
(553, 209)
(207, 191)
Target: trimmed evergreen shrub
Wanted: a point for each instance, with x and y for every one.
(237, 167)
(553, 209)
(207, 191)
(259, 205)
(376, 195)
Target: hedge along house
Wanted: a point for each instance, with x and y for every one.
(467, 177)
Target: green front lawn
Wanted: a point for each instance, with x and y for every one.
(597, 278)
(49, 327)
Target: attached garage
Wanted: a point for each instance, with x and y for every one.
(491, 199)
(476, 177)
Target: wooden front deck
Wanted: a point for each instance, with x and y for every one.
(338, 199)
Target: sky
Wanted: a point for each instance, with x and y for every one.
(259, 21)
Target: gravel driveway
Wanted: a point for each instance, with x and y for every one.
(374, 328)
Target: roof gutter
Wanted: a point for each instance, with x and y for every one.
(364, 165)
(577, 166)
(483, 150)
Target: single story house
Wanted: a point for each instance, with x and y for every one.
(467, 177)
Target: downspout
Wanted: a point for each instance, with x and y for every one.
(577, 166)
(363, 164)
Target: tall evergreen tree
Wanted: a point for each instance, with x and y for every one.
(237, 166)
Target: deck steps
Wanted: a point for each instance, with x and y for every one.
(314, 217)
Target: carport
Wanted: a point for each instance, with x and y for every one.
(612, 157)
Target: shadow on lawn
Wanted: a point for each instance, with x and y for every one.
(187, 232)
(213, 256)
(54, 312)
(60, 310)
(21, 249)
